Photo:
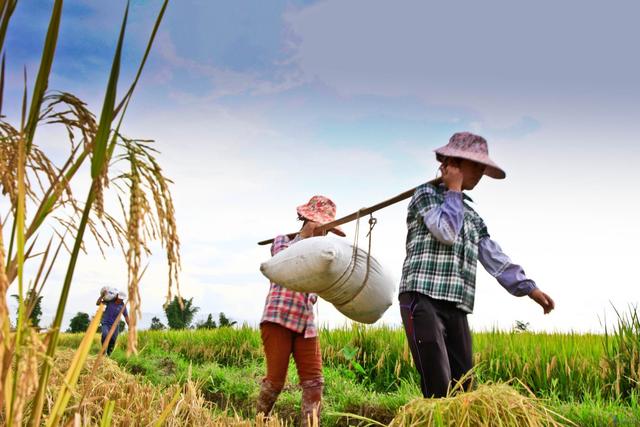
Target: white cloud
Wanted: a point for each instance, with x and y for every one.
(222, 81)
(486, 56)
(238, 179)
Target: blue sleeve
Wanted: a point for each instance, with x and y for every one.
(511, 276)
(444, 221)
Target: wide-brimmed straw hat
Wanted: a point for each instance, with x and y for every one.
(466, 145)
(322, 210)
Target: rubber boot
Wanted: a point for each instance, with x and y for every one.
(311, 401)
(269, 392)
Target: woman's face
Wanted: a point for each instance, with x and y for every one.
(472, 172)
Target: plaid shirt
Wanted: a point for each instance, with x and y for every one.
(291, 309)
(433, 268)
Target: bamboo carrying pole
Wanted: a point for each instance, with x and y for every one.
(362, 211)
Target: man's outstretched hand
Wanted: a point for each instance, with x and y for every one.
(543, 300)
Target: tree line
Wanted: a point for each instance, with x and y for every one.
(182, 317)
(178, 317)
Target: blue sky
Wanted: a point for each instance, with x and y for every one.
(256, 106)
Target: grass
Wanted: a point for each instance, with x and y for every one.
(622, 362)
(600, 413)
(564, 370)
(552, 365)
(562, 366)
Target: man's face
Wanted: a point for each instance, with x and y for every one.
(472, 173)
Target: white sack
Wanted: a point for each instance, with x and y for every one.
(323, 265)
(109, 293)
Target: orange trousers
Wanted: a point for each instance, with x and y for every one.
(279, 343)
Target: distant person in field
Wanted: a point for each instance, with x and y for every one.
(445, 239)
(114, 302)
(288, 324)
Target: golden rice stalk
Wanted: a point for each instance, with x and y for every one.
(145, 177)
(138, 209)
(9, 137)
(165, 413)
(6, 340)
(46, 185)
(79, 359)
(66, 110)
(551, 366)
(70, 111)
(488, 406)
(27, 174)
(38, 165)
(125, 400)
(22, 349)
(105, 421)
(26, 373)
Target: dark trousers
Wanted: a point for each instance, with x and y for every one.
(112, 341)
(440, 341)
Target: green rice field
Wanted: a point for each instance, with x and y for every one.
(586, 379)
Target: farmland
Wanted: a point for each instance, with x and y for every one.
(589, 379)
(77, 184)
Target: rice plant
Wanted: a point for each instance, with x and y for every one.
(39, 191)
(621, 365)
(489, 405)
(116, 397)
(564, 370)
(564, 366)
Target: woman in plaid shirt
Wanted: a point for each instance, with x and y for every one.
(445, 239)
(288, 325)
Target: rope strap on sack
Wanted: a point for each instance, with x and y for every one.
(372, 223)
(348, 272)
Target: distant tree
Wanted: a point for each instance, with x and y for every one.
(121, 326)
(207, 324)
(224, 321)
(79, 323)
(180, 317)
(32, 299)
(156, 324)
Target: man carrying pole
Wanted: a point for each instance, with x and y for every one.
(445, 239)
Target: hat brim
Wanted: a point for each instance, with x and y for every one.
(312, 215)
(492, 169)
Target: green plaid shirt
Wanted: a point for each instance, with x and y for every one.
(433, 268)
